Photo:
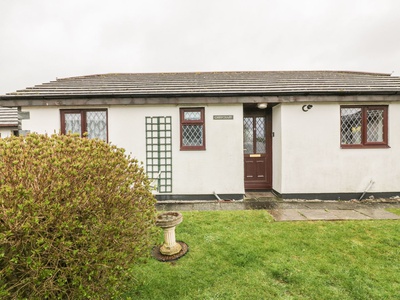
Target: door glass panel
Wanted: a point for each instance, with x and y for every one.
(260, 135)
(96, 123)
(73, 123)
(248, 135)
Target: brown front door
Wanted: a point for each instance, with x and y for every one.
(257, 146)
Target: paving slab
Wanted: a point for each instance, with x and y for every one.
(378, 213)
(343, 214)
(286, 215)
(294, 210)
(331, 215)
(330, 205)
(318, 214)
(188, 206)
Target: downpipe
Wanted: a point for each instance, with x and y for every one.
(216, 196)
(367, 189)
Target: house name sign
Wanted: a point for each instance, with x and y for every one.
(223, 117)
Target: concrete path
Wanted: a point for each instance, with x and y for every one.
(332, 215)
(295, 210)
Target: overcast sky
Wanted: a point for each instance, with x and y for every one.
(45, 39)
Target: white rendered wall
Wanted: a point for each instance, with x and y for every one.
(277, 148)
(313, 162)
(217, 169)
(43, 120)
(220, 167)
(5, 132)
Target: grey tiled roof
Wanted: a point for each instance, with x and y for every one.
(214, 84)
(8, 117)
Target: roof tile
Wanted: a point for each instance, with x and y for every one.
(215, 84)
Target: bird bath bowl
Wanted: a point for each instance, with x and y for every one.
(170, 249)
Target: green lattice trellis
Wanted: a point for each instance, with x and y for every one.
(159, 152)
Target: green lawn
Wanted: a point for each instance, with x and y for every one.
(245, 255)
(395, 210)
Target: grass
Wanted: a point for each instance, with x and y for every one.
(394, 210)
(245, 255)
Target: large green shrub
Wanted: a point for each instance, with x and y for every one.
(76, 215)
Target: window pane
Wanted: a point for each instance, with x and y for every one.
(351, 125)
(248, 136)
(192, 115)
(375, 126)
(192, 135)
(96, 123)
(260, 134)
(73, 123)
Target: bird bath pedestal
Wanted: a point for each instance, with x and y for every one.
(171, 249)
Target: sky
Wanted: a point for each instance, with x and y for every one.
(41, 40)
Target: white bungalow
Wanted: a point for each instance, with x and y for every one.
(9, 121)
(301, 134)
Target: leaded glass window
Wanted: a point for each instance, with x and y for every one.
(79, 121)
(374, 125)
(364, 126)
(192, 135)
(192, 129)
(248, 135)
(96, 124)
(73, 123)
(192, 115)
(260, 135)
(254, 140)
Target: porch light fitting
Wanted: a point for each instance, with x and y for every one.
(306, 108)
(262, 105)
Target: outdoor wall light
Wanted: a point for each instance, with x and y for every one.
(306, 108)
(262, 105)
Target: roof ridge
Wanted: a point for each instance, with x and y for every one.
(225, 72)
(221, 83)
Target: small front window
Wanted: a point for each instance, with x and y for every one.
(192, 129)
(92, 122)
(364, 126)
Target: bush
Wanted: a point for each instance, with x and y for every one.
(76, 215)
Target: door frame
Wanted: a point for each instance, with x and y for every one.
(253, 111)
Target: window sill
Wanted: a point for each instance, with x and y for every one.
(364, 146)
(192, 149)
